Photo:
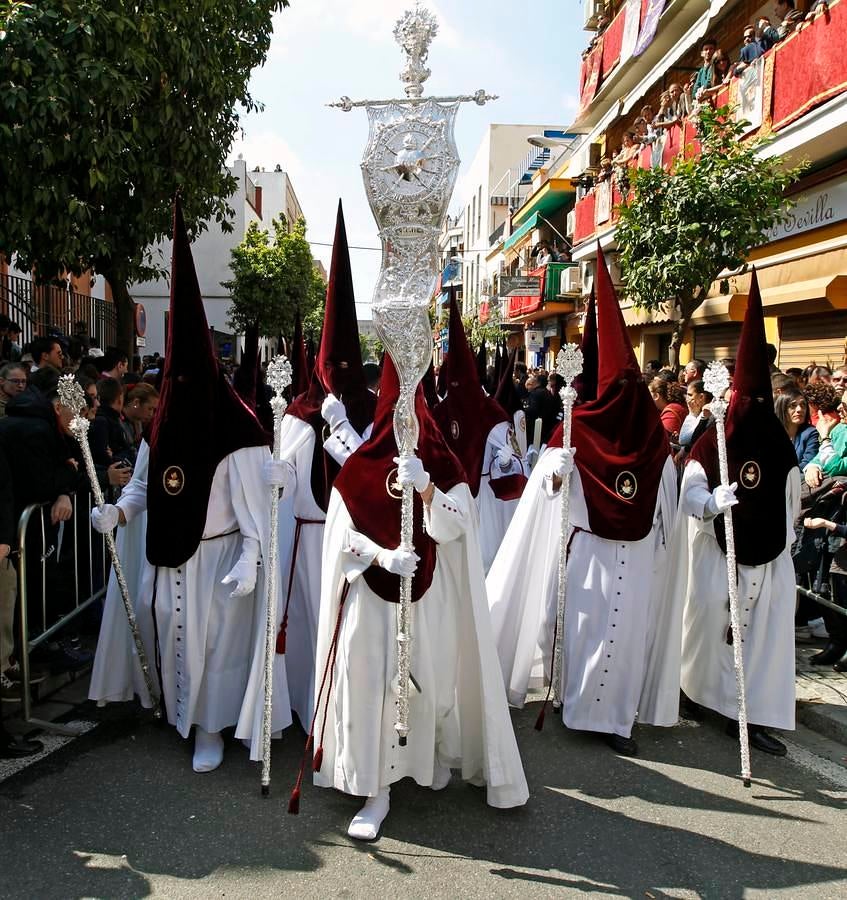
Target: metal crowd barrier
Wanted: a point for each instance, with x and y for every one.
(38, 548)
(823, 601)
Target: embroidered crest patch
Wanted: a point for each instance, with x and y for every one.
(626, 485)
(173, 480)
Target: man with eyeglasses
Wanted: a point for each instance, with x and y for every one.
(12, 383)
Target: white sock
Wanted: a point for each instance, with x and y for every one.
(208, 750)
(441, 776)
(368, 820)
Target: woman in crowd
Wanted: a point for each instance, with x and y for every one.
(792, 410)
(698, 419)
(721, 75)
(670, 401)
(823, 400)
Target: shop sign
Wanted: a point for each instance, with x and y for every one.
(822, 206)
(520, 285)
(550, 328)
(534, 340)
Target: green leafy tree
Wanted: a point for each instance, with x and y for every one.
(109, 108)
(477, 332)
(273, 278)
(680, 229)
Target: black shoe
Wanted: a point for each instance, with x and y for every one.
(625, 746)
(758, 738)
(19, 748)
(65, 657)
(830, 654)
(689, 710)
(765, 742)
(841, 665)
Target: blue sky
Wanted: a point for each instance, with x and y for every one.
(528, 54)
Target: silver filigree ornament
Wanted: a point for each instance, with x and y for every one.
(410, 165)
(72, 397)
(569, 364)
(278, 377)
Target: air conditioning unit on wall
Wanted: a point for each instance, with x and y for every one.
(586, 276)
(570, 223)
(570, 281)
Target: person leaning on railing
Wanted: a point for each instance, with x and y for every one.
(831, 458)
(835, 652)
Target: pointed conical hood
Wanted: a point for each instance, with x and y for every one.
(621, 445)
(759, 452)
(339, 361)
(482, 364)
(374, 510)
(338, 367)
(499, 362)
(507, 393)
(615, 356)
(586, 384)
(245, 379)
(428, 383)
(467, 414)
(302, 373)
(199, 421)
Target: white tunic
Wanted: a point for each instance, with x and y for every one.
(210, 646)
(460, 718)
(766, 597)
(302, 581)
(622, 632)
(494, 514)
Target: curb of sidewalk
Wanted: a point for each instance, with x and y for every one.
(821, 696)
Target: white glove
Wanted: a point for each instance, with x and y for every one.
(333, 411)
(105, 519)
(398, 562)
(411, 471)
(504, 456)
(558, 462)
(722, 499)
(277, 472)
(243, 573)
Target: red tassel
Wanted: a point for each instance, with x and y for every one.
(280, 638)
(539, 722)
(294, 802)
(310, 740)
(317, 762)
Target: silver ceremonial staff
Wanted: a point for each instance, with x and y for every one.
(568, 366)
(72, 397)
(409, 169)
(716, 382)
(278, 378)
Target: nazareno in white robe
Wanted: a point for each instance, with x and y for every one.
(460, 718)
(211, 647)
(494, 514)
(766, 599)
(622, 629)
(297, 442)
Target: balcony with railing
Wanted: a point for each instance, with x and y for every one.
(37, 308)
(791, 81)
(540, 295)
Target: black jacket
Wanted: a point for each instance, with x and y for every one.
(108, 438)
(36, 451)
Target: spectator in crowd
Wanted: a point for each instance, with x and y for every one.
(140, 403)
(783, 384)
(797, 375)
(721, 75)
(644, 133)
(12, 383)
(605, 172)
(542, 254)
(766, 33)
(699, 418)
(792, 410)
(109, 440)
(115, 364)
(790, 17)
(839, 378)
(680, 101)
(823, 400)
(751, 50)
(652, 369)
(831, 459)
(46, 351)
(693, 371)
(540, 405)
(835, 651)
(704, 77)
(819, 7)
(771, 353)
(670, 401)
(14, 353)
(665, 117)
(817, 374)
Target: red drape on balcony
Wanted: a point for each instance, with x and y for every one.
(810, 67)
(673, 144)
(584, 218)
(590, 77)
(613, 41)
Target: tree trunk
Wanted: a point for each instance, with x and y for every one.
(124, 312)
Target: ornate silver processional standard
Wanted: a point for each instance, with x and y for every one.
(409, 168)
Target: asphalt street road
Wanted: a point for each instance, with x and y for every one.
(117, 812)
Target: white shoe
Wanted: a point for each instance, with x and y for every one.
(208, 750)
(441, 776)
(803, 633)
(817, 629)
(368, 820)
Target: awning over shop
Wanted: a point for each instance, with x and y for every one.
(552, 196)
(522, 232)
